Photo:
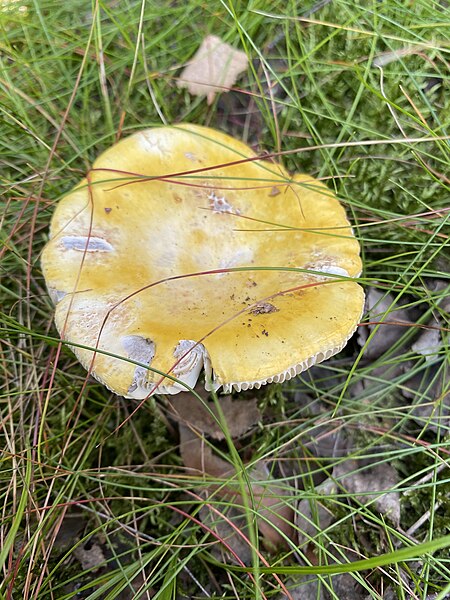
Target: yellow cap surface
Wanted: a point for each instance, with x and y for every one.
(130, 253)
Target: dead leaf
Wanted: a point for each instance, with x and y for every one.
(240, 415)
(197, 455)
(224, 526)
(441, 288)
(385, 58)
(429, 342)
(429, 391)
(312, 517)
(327, 440)
(369, 385)
(367, 482)
(343, 586)
(347, 587)
(90, 558)
(271, 500)
(428, 388)
(214, 68)
(380, 306)
(273, 505)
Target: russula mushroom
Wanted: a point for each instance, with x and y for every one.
(177, 254)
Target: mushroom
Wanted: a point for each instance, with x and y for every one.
(183, 251)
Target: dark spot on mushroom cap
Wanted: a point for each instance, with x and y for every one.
(274, 191)
(263, 308)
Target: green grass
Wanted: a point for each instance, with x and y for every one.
(74, 77)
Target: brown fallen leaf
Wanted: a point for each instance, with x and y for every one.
(428, 386)
(225, 527)
(367, 485)
(198, 456)
(214, 68)
(240, 415)
(271, 500)
(273, 505)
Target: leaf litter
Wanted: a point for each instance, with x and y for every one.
(365, 481)
(214, 68)
(379, 306)
(268, 497)
(203, 416)
(288, 514)
(429, 387)
(369, 483)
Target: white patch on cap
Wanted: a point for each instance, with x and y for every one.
(167, 258)
(193, 358)
(220, 204)
(332, 270)
(141, 350)
(326, 267)
(56, 295)
(155, 142)
(84, 243)
(242, 257)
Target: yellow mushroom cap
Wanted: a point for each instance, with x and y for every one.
(177, 254)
